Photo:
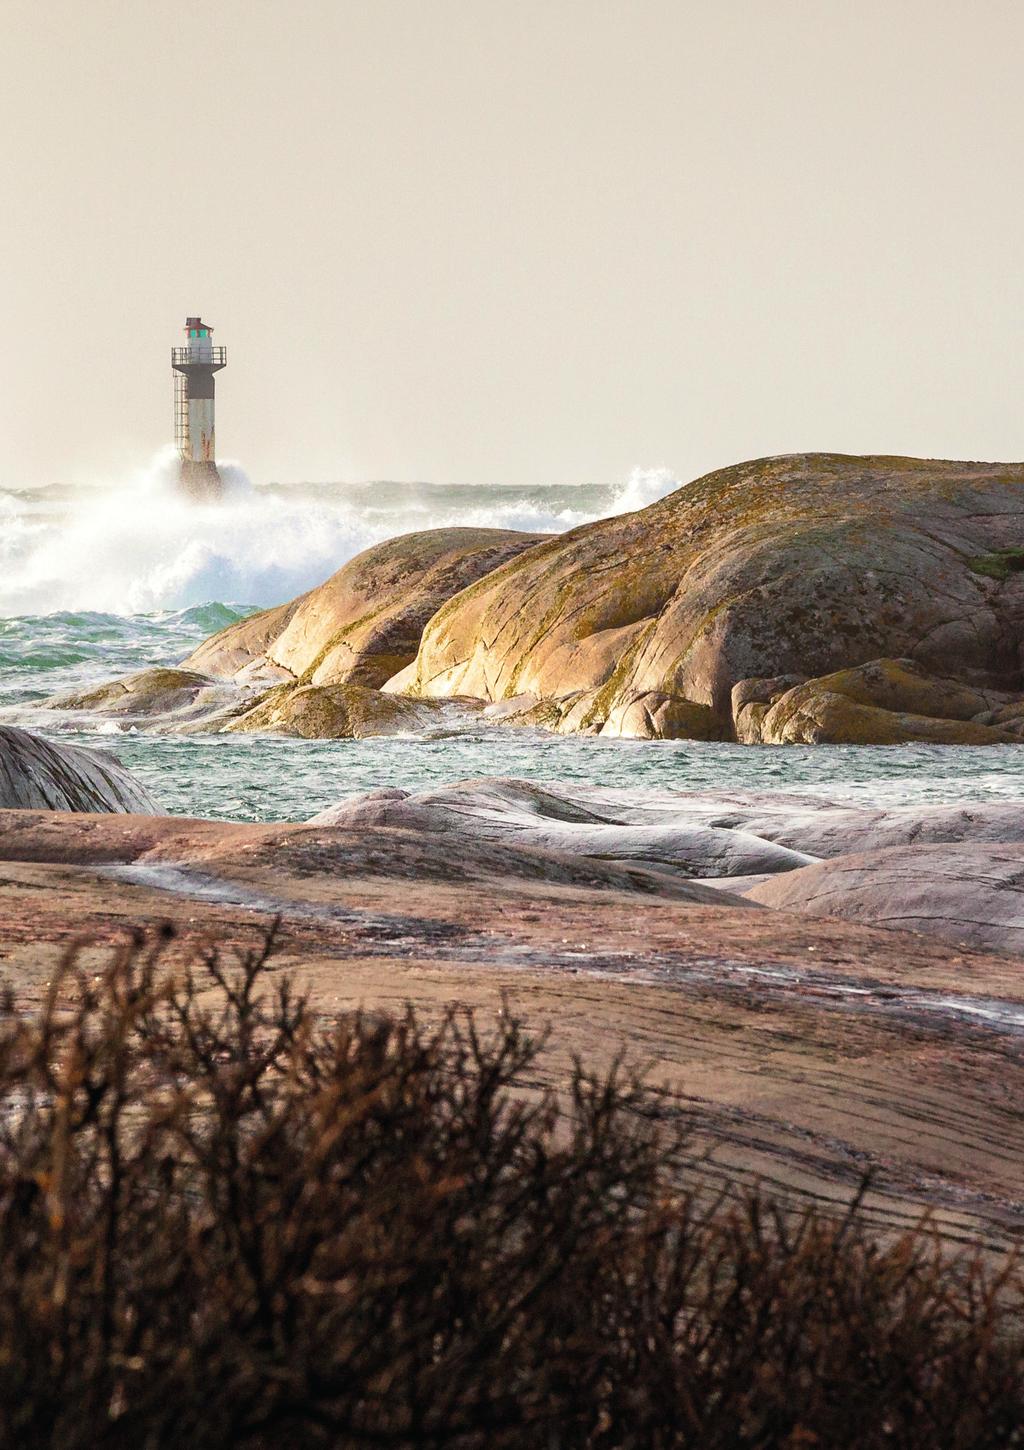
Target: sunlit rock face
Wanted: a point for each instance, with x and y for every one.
(363, 624)
(883, 702)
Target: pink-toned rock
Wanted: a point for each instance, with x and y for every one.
(970, 893)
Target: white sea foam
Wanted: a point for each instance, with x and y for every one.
(139, 545)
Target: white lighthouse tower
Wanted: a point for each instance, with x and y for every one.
(194, 366)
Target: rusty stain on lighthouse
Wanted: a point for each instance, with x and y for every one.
(194, 366)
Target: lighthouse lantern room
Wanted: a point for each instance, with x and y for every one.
(194, 366)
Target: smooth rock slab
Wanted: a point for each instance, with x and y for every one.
(363, 624)
(828, 830)
(35, 774)
(581, 823)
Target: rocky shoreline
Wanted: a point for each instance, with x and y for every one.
(801, 1051)
(950, 872)
(818, 989)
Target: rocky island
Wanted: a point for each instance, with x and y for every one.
(812, 598)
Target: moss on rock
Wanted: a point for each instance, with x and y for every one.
(150, 692)
(884, 702)
(999, 565)
(335, 712)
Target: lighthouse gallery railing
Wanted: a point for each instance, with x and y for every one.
(192, 357)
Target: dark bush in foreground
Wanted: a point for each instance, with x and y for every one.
(224, 1223)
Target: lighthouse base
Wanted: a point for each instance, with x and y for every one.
(200, 479)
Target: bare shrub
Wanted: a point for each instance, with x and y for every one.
(224, 1222)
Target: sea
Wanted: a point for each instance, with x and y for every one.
(100, 580)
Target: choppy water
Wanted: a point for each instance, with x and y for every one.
(97, 582)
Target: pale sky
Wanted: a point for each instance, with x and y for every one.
(512, 241)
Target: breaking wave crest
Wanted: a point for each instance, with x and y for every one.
(140, 546)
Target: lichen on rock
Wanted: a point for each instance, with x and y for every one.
(799, 566)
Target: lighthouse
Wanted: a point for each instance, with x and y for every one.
(194, 366)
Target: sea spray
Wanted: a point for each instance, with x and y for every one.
(643, 487)
(140, 545)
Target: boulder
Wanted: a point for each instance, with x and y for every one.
(36, 774)
(905, 687)
(970, 893)
(751, 700)
(838, 710)
(656, 716)
(802, 566)
(339, 712)
(168, 698)
(883, 702)
(363, 624)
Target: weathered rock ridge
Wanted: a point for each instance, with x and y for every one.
(811, 599)
(364, 623)
(35, 774)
